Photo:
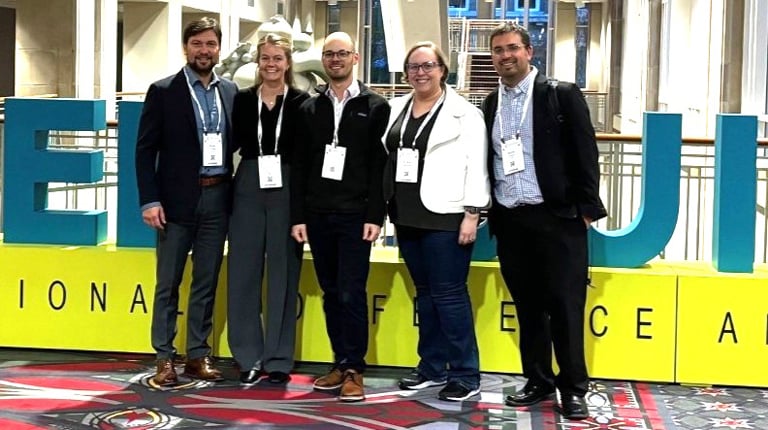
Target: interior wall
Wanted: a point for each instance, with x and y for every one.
(595, 57)
(730, 93)
(45, 40)
(7, 50)
(152, 45)
(565, 49)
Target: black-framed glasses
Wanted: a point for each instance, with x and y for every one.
(426, 67)
(343, 54)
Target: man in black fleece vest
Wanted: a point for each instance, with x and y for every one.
(337, 204)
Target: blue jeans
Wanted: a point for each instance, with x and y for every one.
(439, 267)
(341, 259)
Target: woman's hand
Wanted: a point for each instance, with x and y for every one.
(468, 228)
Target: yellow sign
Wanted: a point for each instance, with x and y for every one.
(683, 323)
(722, 325)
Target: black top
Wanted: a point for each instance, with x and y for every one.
(250, 149)
(405, 208)
(362, 126)
(245, 123)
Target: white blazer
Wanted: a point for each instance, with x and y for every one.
(455, 163)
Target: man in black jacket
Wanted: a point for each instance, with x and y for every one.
(183, 168)
(337, 204)
(544, 174)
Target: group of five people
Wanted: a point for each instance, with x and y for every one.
(327, 169)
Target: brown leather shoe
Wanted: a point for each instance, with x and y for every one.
(352, 387)
(202, 368)
(330, 381)
(166, 374)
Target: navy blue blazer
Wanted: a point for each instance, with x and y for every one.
(168, 151)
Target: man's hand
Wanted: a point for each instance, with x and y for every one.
(371, 232)
(587, 221)
(154, 217)
(299, 233)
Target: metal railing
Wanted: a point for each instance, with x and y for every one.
(620, 186)
(470, 35)
(596, 102)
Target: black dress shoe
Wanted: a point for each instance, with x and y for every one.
(530, 395)
(250, 377)
(573, 407)
(278, 377)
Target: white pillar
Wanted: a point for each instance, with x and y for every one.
(152, 45)
(85, 40)
(107, 54)
(230, 26)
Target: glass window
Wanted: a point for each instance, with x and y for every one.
(379, 66)
(334, 18)
(519, 5)
(462, 8)
(581, 40)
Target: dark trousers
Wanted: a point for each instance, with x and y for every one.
(259, 238)
(341, 258)
(543, 260)
(439, 267)
(205, 237)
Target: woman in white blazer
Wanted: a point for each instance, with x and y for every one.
(436, 181)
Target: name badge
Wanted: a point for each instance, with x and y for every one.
(407, 165)
(270, 175)
(213, 150)
(333, 163)
(512, 156)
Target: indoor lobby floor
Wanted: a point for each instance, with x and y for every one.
(45, 389)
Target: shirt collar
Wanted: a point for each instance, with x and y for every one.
(194, 78)
(522, 86)
(353, 90)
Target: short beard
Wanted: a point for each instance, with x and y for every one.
(201, 71)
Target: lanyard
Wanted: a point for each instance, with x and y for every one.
(526, 104)
(279, 125)
(407, 117)
(200, 107)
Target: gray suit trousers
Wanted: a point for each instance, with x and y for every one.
(259, 238)
(205, 238)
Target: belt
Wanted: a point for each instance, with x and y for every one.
(209, 181)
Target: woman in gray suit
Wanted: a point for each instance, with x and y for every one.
(262, 338)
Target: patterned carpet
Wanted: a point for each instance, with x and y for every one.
(80, 390)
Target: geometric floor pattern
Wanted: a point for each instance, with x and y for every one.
(42, 389)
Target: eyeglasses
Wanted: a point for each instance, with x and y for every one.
(512, 48)
(426, 67)
(343, 54)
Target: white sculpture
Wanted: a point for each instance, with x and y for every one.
(240, 65)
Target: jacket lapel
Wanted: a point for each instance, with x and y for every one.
(181, 93)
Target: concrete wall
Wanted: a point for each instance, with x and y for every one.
(45, 60)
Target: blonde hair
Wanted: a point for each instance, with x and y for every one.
(283, 43)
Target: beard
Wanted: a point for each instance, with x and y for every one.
(202, 70)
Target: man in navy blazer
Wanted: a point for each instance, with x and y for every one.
(183, 168)
(544, 174)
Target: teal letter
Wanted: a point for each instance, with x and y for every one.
(29, 166)
(733, 229)
(652, 227)
(131, 230)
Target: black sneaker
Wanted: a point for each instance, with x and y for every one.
(416, 381)
(455, 392)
